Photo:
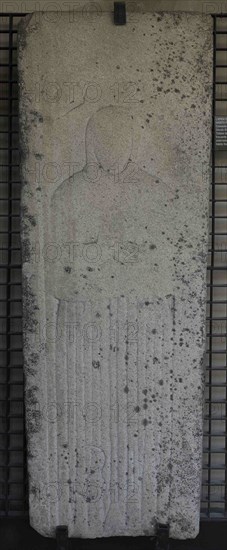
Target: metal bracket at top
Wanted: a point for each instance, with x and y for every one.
(119, 13)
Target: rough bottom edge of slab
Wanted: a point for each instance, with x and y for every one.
(149, 533)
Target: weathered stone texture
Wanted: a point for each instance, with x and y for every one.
(116, 135)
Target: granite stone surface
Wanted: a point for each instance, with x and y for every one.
(115, 129)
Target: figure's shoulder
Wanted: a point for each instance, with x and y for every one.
(65, 190)
(155, 182)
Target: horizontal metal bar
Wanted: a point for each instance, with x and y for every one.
(10, 366)
(214, 467)
(216, 401)
(10, 316)
(9, 148)
(6, 31)
(10, 349)
(215, 500)
(12, 432)
(8, 48)
(217, 285)
(216, 483)
(12, 465)
(213, 335)
(222, 450)
(218, 217)
(11, 498)
(217, 267)
(15, 514)
(221, 302)
(13, 400)
(210, 434)
(11, 334)
(215, 250)
(216, 318)
(8, 65)
(9, 215)
(11, 284)
(12, 449)
(218, 234)
(21, 14)
(10, 115)
(214, 369)
(217, 418)
(216, 384)
(215, 352)
(218, 200)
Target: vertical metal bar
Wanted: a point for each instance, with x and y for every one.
(8, 311)
(212, 271)
(225, 488)
(225, 491)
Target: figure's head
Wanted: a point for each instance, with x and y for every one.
(109, 137)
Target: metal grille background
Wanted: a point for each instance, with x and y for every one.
(13, 486)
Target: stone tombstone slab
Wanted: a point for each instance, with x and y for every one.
(115, 137)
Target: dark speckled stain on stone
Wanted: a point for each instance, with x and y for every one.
(33, 413)
(145, 422)
(96, 364)
(30, 322)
